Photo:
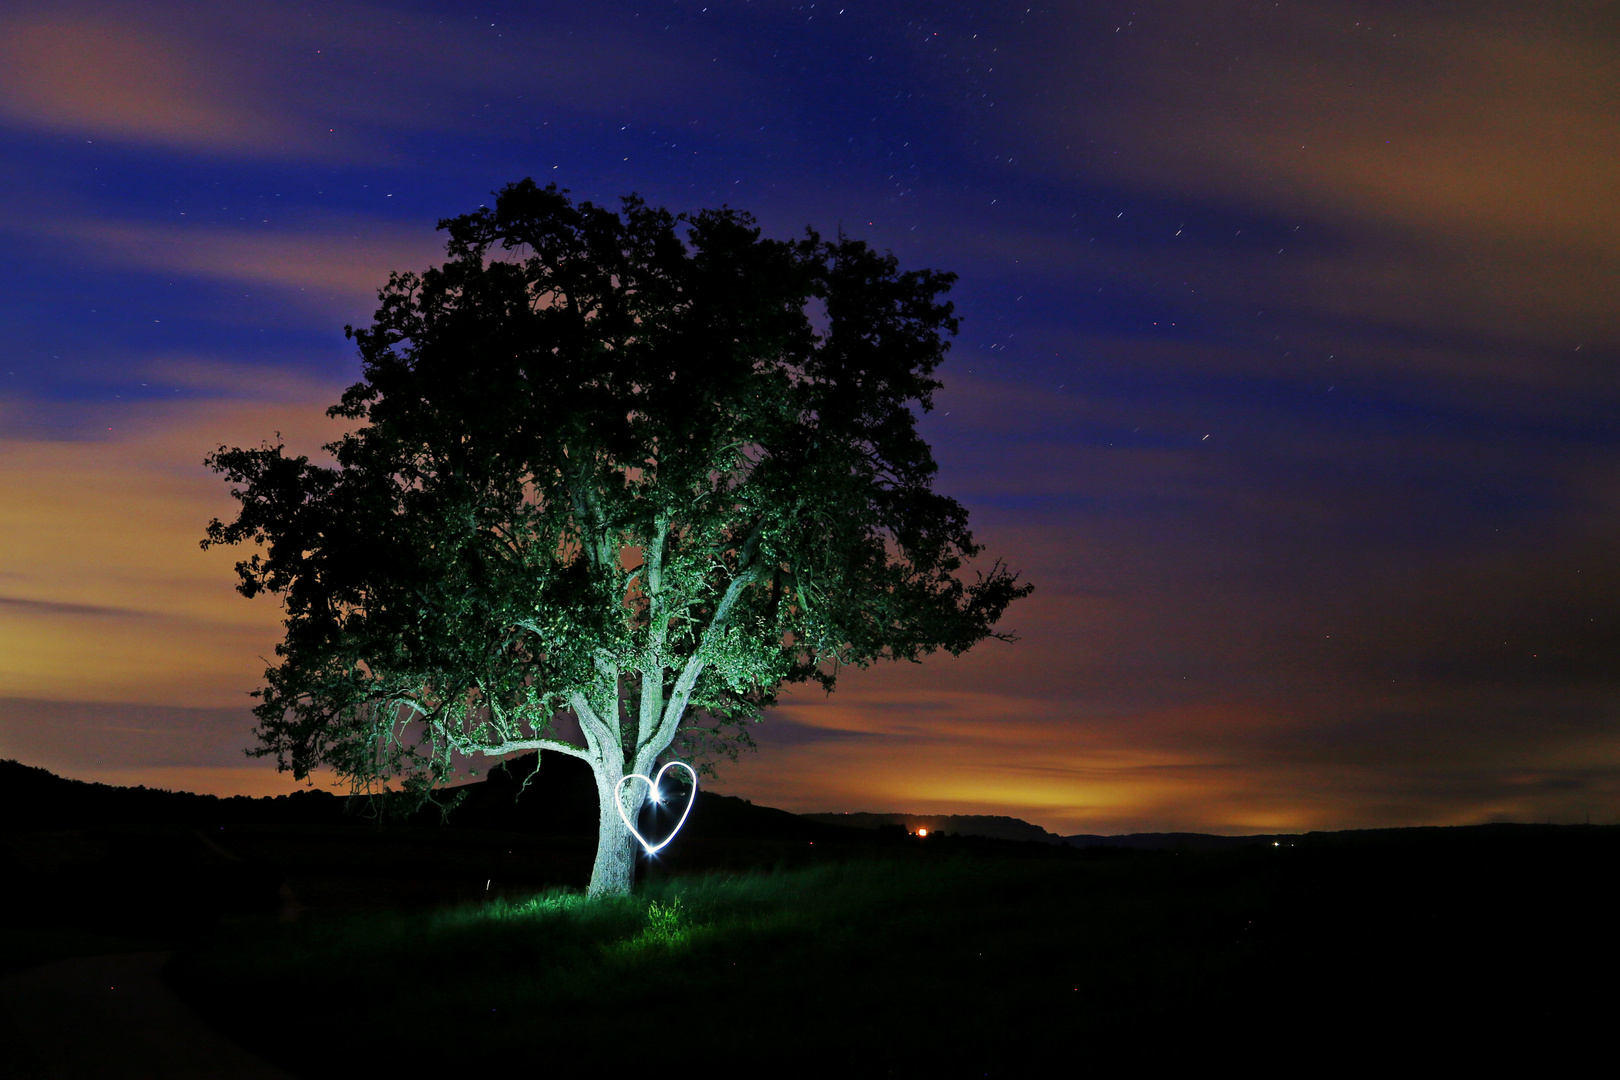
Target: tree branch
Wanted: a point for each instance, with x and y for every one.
(516, 745)
(681, 693)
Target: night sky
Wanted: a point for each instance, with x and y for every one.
(1287, 372)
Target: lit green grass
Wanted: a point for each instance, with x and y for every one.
(927, 966)
(842, 955)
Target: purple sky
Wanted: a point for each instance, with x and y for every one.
(1288, 369)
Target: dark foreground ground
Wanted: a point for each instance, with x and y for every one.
(762, 945)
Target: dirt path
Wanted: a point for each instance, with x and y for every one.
(100, 1017)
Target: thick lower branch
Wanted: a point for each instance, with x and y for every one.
(598, 736)
(521, 745)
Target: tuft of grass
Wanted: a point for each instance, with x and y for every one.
(666, 930)
(665, 923)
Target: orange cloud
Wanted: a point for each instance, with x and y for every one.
(1061, 764)
(1507, 129)
(114, 78)
(1259, 763)
(105, 594)
(1462, 164)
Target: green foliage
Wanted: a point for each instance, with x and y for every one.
(606, 466)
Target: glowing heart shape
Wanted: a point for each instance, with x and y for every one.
(652, 785)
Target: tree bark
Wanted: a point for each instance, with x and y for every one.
(615, 869)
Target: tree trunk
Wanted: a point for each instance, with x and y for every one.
(615, 869)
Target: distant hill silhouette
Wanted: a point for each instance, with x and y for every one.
(994, 826)
(1169, 841)
(560, 800)
(999, 827)
(34, 799)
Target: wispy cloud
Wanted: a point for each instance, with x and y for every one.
(1451, 175)
(1229, 761)
(55, 607)
(110, 597)
(103, 75)
(340, 263)
(1350, 105)
(259, 79)
(183, 749)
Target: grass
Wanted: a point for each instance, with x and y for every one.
(871, 966)
(946, 965)
(30, 944)
(449, 950)
(836, 957)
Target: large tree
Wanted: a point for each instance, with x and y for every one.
(615, 478)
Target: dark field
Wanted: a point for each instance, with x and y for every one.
(336, 949)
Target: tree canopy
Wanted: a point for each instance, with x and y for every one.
(615, 477)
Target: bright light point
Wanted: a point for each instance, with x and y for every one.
(658, 796)
(922, 832)
(652, 789)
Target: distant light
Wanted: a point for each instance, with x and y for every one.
(922, 832)
(1275, 843)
